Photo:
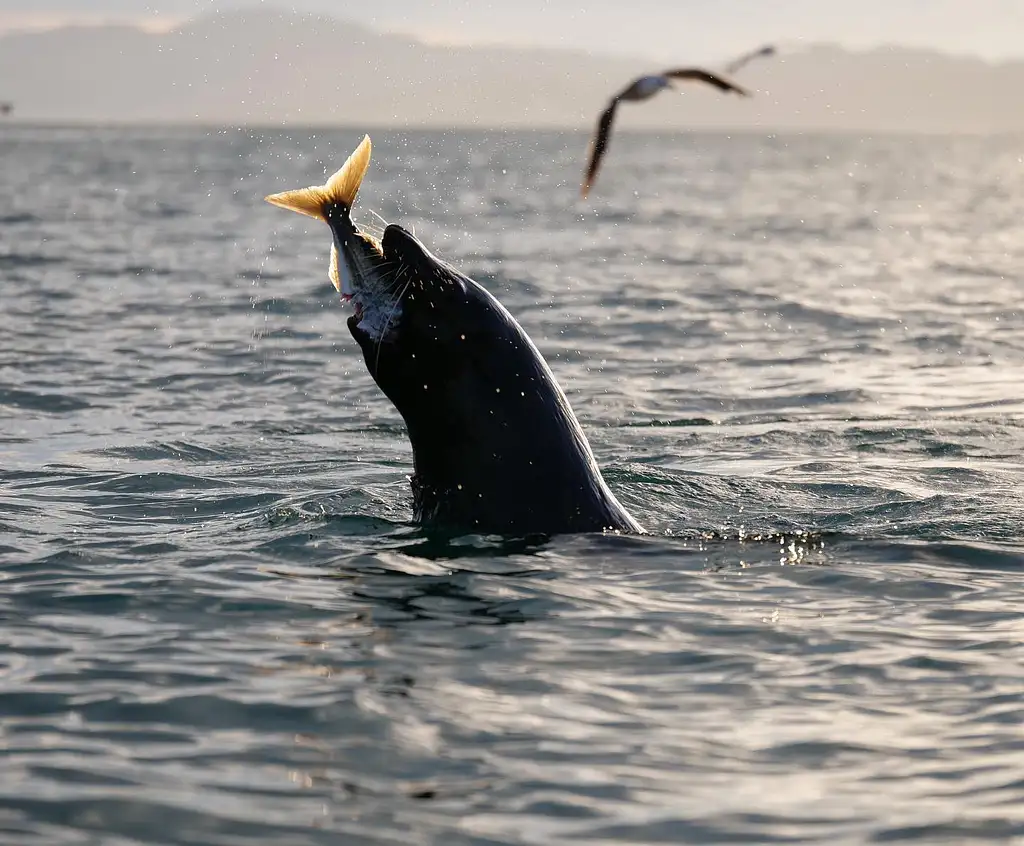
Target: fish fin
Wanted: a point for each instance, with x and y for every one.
(333, 272)
(344, 185)
(340, 189)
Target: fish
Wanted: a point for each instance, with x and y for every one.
(357, 269)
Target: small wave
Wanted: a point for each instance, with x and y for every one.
(260, 275)
(311, 514)
(664, 424)
(49, 403)
(158, 482)
(143, 270)
(163, 211)
(153, 507)
(280, 305)
(14, 261)
(295, 428)
(15, 218)
(961, 269)
(764, 403)
(176, 450)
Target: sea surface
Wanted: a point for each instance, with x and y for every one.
(798, 359)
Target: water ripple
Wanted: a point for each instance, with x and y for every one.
(220, 626)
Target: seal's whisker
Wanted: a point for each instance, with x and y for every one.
(389, 273)
(380, 217)
(374, 230)
(391, 314)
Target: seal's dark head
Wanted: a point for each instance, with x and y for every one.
(495, 445)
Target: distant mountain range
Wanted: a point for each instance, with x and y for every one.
(268, 68)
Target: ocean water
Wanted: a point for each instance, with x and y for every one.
(798, 360)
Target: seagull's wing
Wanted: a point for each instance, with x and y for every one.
(740, 61)
(700, 75)
(598, 145)
(625, 93)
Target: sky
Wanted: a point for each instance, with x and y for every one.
(669, 29)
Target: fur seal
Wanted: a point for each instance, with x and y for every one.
(496, 447)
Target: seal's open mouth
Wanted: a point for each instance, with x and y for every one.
(357, 305)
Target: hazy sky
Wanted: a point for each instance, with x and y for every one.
(694, 29)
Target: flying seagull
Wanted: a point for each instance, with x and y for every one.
(740, 61)
(641, 89)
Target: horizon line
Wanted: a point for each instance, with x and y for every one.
(367, 128)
